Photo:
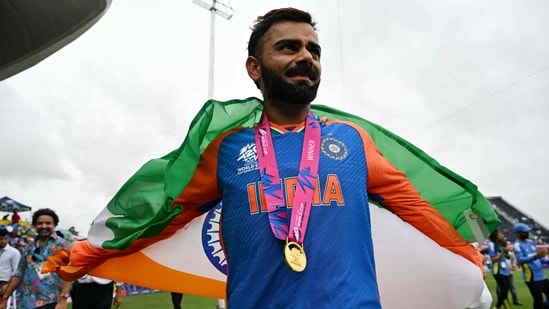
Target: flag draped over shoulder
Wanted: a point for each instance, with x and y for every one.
(141, 220)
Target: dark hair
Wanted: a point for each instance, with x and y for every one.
(263, 23)
(60, 234)
(45, 212)
(3, 232)
(494, 236)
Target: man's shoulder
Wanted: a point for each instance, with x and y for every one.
(57, 242)
(60, 241)
(10, 248)
(29, 247)
(528, 242)
(525, 243)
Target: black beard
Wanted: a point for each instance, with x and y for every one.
(275, 88)
(44, 233)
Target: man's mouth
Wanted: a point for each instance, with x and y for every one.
(302, 72)
(301, 77)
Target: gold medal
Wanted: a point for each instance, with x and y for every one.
(294, 256)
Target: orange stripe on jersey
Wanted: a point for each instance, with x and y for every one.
(287, 127)
(252, 198)
(402, 198)
(202, 188)
(332, 191)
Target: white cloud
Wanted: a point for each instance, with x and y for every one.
(464, 80)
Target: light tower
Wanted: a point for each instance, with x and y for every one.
(225, 10)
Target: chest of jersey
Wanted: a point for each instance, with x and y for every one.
(342, 166)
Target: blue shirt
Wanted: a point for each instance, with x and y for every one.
(532, 268)
(338, 243)
(340, 255)
(39, 289)
(500, 267)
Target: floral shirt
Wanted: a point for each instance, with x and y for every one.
(39, 289)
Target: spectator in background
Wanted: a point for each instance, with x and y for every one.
(91, 292)
(531, 258)
(176, 299)
(43, 291)
(511, 261)
(15, 217)
(9, 258)
(220, 304)
(498, 250)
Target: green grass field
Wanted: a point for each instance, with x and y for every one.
(163, 301)
(522, 291)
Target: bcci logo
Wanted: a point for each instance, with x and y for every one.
(211, 243)
(334, 149)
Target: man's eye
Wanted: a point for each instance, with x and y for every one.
(289, 47)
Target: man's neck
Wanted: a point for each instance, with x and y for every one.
(286, 113)
(40, 241)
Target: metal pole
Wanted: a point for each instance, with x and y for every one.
(225, 11)
(212, 53)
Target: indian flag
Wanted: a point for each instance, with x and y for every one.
(140, 238)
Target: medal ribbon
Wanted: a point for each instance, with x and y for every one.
(272, 185)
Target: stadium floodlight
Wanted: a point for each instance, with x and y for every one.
(221, 8)
(225, 10)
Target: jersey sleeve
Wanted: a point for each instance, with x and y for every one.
(202, 192)
(391, 188)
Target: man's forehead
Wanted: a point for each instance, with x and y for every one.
(44, 218)
(290, 30)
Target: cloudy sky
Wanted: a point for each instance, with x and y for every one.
(466, 81)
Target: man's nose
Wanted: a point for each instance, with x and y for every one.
(305, 55)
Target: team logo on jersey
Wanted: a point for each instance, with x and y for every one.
(334, 148)
(248, 157)
(211, 242)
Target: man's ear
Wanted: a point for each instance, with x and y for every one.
(254, 68)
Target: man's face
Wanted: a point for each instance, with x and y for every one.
(523, 235)
(501, 238)
(290, 63)
(44, 226)
(4, 240)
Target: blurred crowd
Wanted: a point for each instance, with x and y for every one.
(20, 233)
